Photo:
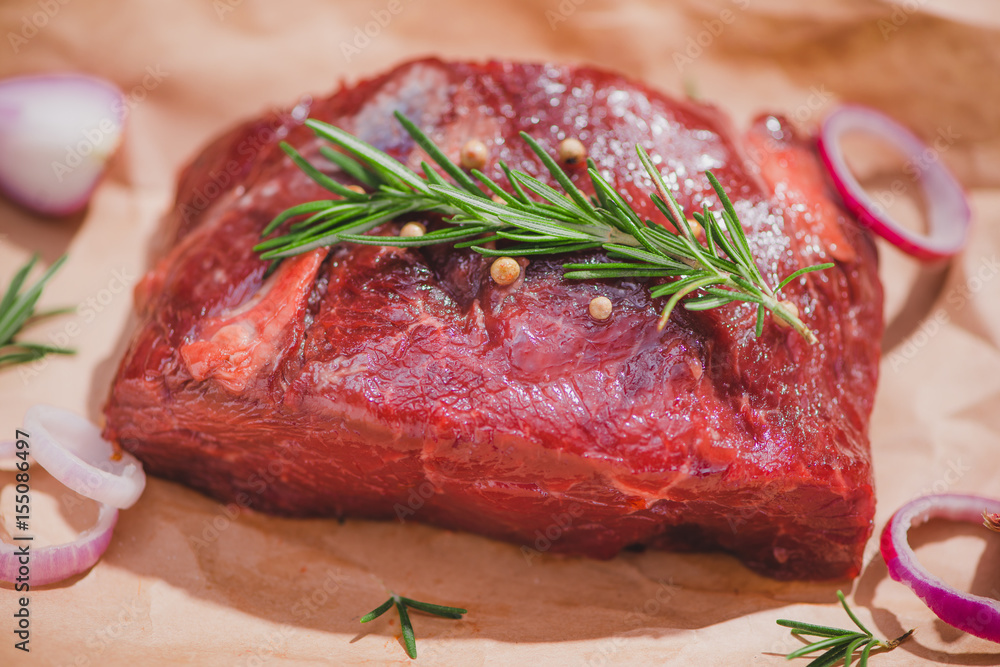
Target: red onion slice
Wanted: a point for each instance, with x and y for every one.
(947, 208)
(72, 450)
(57, 132)
(974, 614)
(50, 564)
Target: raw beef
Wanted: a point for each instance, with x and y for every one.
(379, 383)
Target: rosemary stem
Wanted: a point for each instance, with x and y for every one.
(889, 645)
(779, 310)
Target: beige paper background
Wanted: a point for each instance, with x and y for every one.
(185, 582)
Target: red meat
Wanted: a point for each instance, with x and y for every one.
(381, 383)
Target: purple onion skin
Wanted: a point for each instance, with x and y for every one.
(973, 614)
(52, 564)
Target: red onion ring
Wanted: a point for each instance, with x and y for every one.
(72, 450)
(977, 615)
(53, 563)
(947, 208)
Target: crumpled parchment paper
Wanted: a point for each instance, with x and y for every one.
(187, 580)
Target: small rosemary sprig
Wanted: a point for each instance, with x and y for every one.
(535, 219)
(17, 308)
(401, 603)
(839, 644)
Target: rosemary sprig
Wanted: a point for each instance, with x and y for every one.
(401, 603)
(535, 219)
(17, 307)
(839, 644)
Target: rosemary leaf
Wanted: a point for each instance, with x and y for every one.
(830, 658)
(800, 628)
(436, 609)
(606, 274)
(809, 269)
(308, 207)
(44, 349)
(17, 308)
(521, 194)
(834, 642)
(350, 166)
(391, 170)
(866, 651)
(404, 621)
(857, 621)
(853, 646)
(552, 249)
(438, 155)
(558, 174)
(708, 302)
(378, 611)
(495, 188)
(318, 176)
(15, 286)
(15, 358)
